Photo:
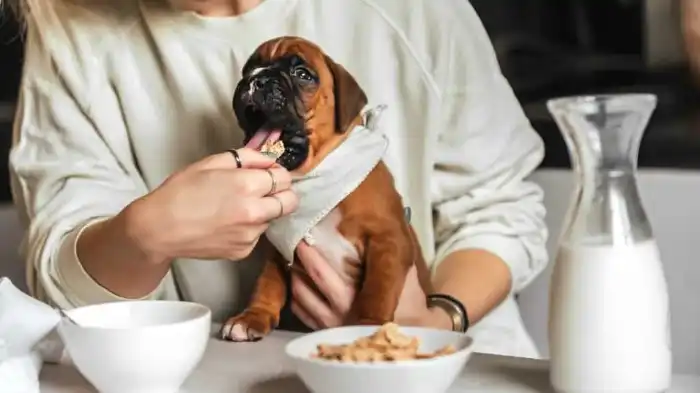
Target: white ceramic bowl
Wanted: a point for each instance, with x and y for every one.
(413, 376)
(137, 346)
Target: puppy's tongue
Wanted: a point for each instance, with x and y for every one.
(263, 135)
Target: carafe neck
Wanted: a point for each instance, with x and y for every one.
(603, 135)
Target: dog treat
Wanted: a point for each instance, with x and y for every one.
(273, 149)
(387, 344)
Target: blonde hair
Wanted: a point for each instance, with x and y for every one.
(40, 10)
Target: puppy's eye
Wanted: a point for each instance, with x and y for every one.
(302, 73)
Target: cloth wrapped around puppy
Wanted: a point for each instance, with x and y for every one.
(324, 187)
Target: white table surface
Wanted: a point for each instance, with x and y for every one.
(262, 368)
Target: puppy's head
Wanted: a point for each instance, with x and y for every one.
(291, 88)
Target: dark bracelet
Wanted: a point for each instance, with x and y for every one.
(454, 308)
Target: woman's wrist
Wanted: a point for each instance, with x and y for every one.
(438, 318)
(451, 307)
(136, 223)
(117, 260)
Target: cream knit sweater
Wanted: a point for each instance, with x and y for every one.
(117, 96)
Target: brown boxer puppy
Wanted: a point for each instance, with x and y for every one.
(293, 92)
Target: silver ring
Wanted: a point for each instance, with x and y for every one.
(281, 205)
(274, 182)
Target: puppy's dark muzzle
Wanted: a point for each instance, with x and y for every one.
(268, 94)
(269, 100)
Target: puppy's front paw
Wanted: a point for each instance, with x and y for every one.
(251, 325)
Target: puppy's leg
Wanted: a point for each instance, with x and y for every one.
(387, 262)
(424, 275)
(263, 312)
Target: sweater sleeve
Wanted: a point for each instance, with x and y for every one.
(486, 149)
(70, 164)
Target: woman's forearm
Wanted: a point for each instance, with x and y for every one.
(112, 253)
(477, 278)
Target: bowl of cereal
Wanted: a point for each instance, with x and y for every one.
(377, 359)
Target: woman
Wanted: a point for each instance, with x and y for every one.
(125, 109)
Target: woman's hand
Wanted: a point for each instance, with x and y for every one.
(330, 307)
(212, 209)
(327, 308)
(413, 309)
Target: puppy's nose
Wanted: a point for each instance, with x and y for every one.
(259, 82)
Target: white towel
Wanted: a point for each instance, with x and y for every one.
(322, 189)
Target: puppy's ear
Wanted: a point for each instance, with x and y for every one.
(349, 97)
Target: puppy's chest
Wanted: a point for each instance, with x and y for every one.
(338, 251)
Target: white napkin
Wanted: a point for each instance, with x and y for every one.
(27, 339)
(322, 189)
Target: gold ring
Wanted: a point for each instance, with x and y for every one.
(281, 205)
(274, 182)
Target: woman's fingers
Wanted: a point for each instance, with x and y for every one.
(249, 158)
(261, 182)
(271, 207)
(248, 235)
(253, 159)
(304, 316)
(282, 179)
(313, 304)
(261, 175)
(338, 293)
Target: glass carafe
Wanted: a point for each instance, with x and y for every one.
(609, 311)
